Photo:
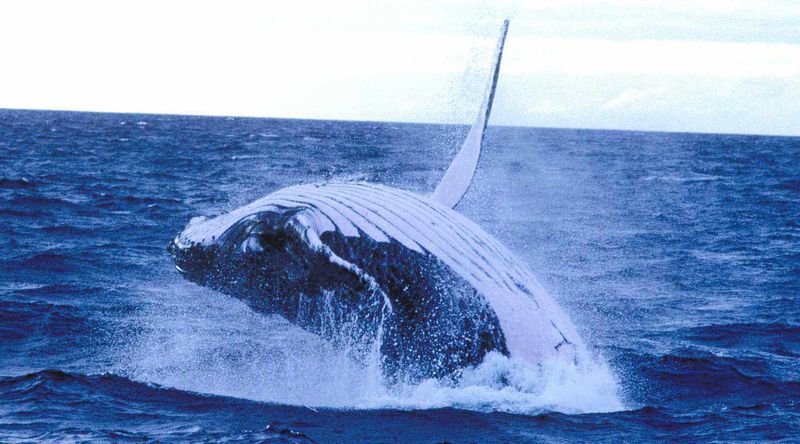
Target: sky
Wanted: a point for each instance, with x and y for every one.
(721, 66)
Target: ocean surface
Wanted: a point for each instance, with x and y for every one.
(677, 256)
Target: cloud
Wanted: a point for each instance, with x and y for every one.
(653, 57)
(546, 107)
(632, 96)
(566, 63)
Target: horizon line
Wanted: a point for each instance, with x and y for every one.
(405, 122)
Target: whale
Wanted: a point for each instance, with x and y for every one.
(383, 271)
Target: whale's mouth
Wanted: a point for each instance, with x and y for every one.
(192, 261)
(176, 253)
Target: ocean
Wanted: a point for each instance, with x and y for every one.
(677, 256)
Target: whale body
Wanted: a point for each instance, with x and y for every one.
(366, 265)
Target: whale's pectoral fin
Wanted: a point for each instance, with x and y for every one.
(307, 224)
(336, 300)
(459, 175)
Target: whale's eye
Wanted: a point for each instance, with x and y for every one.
(253, 236)
(252, 244)
(256, 233)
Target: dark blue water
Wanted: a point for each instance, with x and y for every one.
(677, 255)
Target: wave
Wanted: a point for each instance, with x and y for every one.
(61, 259)
(16, 213)
(52, 384)
(30, 290)
(130, 201)
(49, 405)
(792, 185)
(247, 157)
(54, 406)
(693, 177)
(50, 262)
(693, 377)
(23, 321)
(41, 202)
(67, 230)
(17, 183)
(774, 337)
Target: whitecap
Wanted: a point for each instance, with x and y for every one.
(691, 177)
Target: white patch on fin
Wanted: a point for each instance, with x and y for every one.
(459, 174)
(305, 224)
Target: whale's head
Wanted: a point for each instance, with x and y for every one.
(267, 260)
(256, 253)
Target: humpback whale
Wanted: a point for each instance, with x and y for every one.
(367, 267)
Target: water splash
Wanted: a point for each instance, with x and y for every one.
(514, 385)
(195, 339)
